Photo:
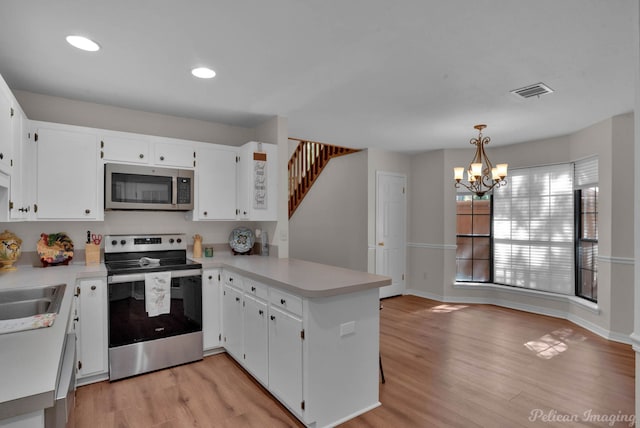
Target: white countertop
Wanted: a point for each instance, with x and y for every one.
(29, 360)
(306, 279)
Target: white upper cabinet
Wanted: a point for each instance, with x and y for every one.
(7, 113)
(179, 154)
(120, 149)
(22, 176)
(258, 182)
(215, 182)
(68, 183)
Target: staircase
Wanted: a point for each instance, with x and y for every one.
(306, 164)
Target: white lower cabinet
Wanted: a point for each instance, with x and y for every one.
(211, 314)
(265, 336)
(91, 327)
(317, 356)
(232, 319)
(255, 338)
(285, 358)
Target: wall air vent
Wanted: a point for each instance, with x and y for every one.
(532, 90)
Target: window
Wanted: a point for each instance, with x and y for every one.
(587, 228)
(533, 227)
(587, 244)
(473, 239)
(531, 233)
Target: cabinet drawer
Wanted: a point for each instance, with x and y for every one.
(285, 301)
(255, 288)
(231, 278)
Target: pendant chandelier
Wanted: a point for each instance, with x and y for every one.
(482, 176)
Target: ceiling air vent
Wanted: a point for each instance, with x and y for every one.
(532, 90)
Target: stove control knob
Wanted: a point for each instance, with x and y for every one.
(114, 242)
(179, 240)
(170, 240)
(123, 242)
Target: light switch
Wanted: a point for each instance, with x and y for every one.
(347, 328)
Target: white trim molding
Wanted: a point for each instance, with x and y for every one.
(497, 300)
(617, 260)
(431, 246)
(635, 341)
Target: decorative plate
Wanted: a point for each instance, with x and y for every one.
(55, 249)
(241, 239)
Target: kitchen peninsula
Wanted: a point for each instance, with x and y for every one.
(327, 376)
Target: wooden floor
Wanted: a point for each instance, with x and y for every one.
(446, 365)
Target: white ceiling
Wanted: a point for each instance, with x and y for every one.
(402, 75)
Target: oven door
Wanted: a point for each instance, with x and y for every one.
(141, 341)
(129, 321)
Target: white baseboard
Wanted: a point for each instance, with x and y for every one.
(594, 328)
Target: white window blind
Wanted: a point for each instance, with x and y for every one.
(533, 229)
(586, 173)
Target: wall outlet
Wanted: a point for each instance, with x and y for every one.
(347, 328)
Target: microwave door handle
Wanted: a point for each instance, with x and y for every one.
(174, 189)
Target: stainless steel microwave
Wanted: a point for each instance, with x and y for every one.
(138, 187)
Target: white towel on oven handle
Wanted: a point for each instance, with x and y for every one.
(157, 293)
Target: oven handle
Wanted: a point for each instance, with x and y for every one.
(117, 279)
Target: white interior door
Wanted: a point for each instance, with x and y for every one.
(391, 217)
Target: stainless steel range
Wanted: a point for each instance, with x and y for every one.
(155, 303)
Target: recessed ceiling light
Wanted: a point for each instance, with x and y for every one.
(83, 43)
(203, 72)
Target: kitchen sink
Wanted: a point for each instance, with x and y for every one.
(26, 302)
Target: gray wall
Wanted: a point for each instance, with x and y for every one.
(330, 225)
(72, 112)
(432, 225)
(386, 161)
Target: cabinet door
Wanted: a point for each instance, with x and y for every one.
(19, 210)
(29, 159)
(215, 184)
(258, 182)
(92, 341)
(285, 358)
(120, 149)
(255, 356)
(6, 127)
(211, 309)
(174, 154)
(232, 321)
(67, 180)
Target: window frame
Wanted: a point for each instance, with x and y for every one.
(579, 239)
(472, 236)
